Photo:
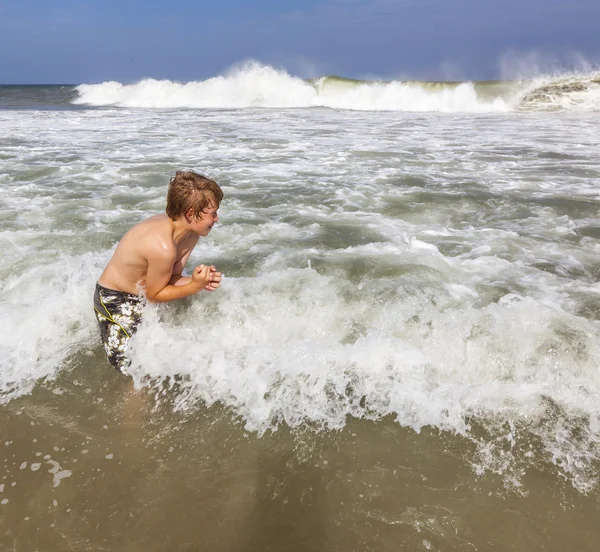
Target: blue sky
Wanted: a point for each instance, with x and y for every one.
(89, 41)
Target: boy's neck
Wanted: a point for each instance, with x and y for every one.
(181, 230)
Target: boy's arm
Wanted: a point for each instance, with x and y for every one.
(213, 284)
(179, 280)
(159, 276)
(176, 278)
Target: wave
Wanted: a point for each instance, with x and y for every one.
(571, 92)
(261, 86)
(519, 369)
(516, 371)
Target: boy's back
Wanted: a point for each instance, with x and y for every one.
(127, 269)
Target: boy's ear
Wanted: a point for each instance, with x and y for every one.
(189, 215)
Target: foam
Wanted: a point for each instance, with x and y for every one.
(46, 317)
(255, 85)
(296, 347)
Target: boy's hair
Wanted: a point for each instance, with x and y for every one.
(190, 190)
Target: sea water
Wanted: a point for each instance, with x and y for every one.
(410, 294)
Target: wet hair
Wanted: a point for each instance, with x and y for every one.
(190, 190)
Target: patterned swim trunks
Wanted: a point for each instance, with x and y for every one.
(119, 315)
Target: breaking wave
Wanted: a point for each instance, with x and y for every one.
(262, 86)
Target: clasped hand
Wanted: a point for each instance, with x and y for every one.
(206, 277)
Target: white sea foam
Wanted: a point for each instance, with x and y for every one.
(400, 96)
(256, 85)
(296, 347)
(250, 86)
(46, 316)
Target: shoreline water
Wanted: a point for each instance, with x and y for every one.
(93, 469)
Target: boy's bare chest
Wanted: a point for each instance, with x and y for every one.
(185, 248)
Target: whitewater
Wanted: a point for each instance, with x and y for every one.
(256, 85)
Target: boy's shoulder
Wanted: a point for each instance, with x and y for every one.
(154, 234)
(158, 225)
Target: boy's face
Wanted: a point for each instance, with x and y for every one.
(203, 225)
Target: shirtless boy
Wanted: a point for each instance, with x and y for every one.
(149, 261)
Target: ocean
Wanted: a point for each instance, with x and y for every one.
(404, 352)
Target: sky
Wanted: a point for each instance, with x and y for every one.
(92, 41)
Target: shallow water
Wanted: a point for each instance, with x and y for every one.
(118, 472)
(403, 354)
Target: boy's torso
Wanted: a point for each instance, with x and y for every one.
(128, 267)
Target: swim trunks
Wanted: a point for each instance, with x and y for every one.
(119, 314)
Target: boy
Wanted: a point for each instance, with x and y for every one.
(149, 261)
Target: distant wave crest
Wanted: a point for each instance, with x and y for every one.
(262, 86)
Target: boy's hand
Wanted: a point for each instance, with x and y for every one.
(215, 279)
(201, 276)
